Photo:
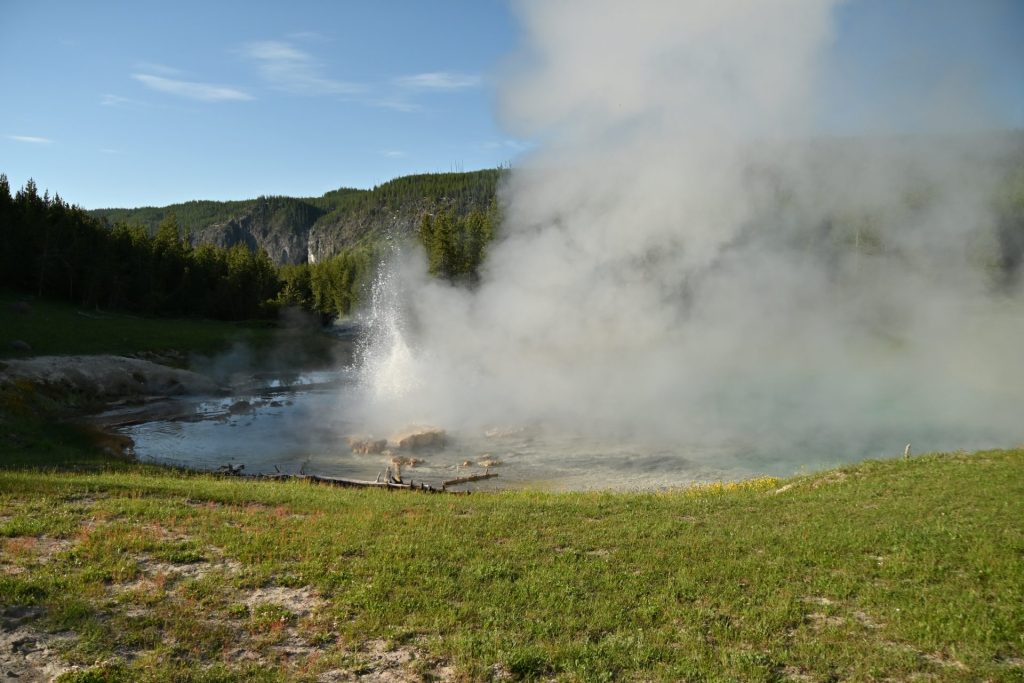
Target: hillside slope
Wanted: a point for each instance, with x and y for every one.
(310, 229)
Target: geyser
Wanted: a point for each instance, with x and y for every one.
(685, 258)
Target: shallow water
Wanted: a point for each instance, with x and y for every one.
(299, 423)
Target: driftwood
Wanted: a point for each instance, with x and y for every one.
(389, 482)
(468, 478)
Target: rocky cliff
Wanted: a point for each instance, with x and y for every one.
(280, 226)
(300, 230)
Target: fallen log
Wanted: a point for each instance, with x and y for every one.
(390, 484)
(467, 479)
(337, 481)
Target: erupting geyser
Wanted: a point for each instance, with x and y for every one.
(687, 259)
(384, 359)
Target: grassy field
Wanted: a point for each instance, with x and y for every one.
(897, 570)
(52, 328)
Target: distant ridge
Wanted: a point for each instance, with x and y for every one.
(310, 229)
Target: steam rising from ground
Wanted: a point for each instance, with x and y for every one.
(682, 258)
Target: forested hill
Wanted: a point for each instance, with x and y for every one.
(310, 229)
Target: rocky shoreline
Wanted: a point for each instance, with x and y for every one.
(106, 377)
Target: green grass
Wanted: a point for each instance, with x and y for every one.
(53, 328)
(894, 570)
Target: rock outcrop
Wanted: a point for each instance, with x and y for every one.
(366, 445)
(417, 438)
(280, 227)
(300, 230)
(413, 438)
(106, 377)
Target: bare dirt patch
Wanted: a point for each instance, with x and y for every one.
(22, 553)
(819, 620)
(837, 477)
(945, 661)
(818, 600)
(866, 620)
(27, 653)
(298, 601)
(797, 675)
(153, 568)
(382, 664)
(162, 533)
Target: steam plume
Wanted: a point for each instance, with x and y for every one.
(683, 259)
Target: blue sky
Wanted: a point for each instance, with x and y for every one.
(146, 103)
(914, 65)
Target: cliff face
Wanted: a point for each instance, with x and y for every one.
(288, 240)
(332, 234)
(284, 242)
(396, 208)
(301, 230)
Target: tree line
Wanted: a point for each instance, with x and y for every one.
(55, 250)
(52, 249)
(457, 245)
(462, 191)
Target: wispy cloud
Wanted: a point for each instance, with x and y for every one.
(155, 68)
(392, 153)
(292, 70)
(204, 92)
(30, 139)
(438, 80)
(508, 143)
(393, 103)
(109, 150)
(110, 100)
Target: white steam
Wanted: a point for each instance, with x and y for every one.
(683, 259)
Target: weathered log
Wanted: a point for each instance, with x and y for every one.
(337, 481)
(468, 478)
(390, 484)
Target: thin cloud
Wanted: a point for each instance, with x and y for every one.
(30, 139)
(396, 104)
(204, 92)
(292, 70)
(438, 80)
(155, 68)
(508, 143)
(109, 100)
(392, 153)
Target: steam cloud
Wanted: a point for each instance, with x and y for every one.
(684, 260)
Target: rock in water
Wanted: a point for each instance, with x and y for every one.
(415, 438)
(240, 408)
(366, 445)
